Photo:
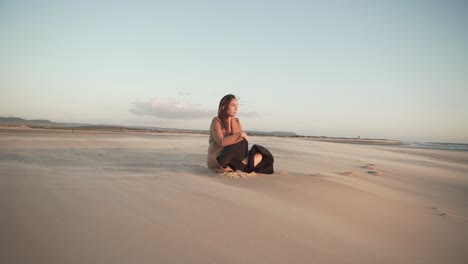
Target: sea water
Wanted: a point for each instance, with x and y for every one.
(435, 145)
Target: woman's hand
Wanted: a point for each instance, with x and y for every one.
(244, 135)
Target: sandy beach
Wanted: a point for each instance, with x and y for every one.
(110, 197)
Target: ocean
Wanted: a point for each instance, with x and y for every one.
(435, 145)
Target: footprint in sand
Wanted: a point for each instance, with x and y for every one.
(350, 174)
(317, 174)
(374, 172)
(370, 167)
(437, 211)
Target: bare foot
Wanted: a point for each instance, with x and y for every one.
(228, 169)
(257, 159)
(245, 161)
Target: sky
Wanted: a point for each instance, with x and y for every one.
(373, 69)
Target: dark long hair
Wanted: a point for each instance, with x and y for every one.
(222, 109)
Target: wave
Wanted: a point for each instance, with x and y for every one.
(436, 145)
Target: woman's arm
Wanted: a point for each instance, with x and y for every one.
(243, 134)
(219, 137)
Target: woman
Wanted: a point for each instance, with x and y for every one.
(228, 142)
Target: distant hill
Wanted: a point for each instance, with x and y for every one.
(274, 133)
(42, 123)
(16, 121)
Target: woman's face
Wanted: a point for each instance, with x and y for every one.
(232, 108)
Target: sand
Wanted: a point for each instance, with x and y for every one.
(89, 197)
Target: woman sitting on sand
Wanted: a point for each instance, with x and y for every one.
(228, 142)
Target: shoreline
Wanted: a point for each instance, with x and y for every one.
(97, 129)
(457, 147)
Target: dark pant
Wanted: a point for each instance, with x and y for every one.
(233, 155)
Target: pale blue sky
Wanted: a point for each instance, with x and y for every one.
(380, 69)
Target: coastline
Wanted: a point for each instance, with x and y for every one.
(116, 129)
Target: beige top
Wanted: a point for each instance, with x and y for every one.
(219, 138)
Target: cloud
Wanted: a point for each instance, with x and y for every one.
(172, 109)
(248, 114)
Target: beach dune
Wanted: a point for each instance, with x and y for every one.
(103, 197)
